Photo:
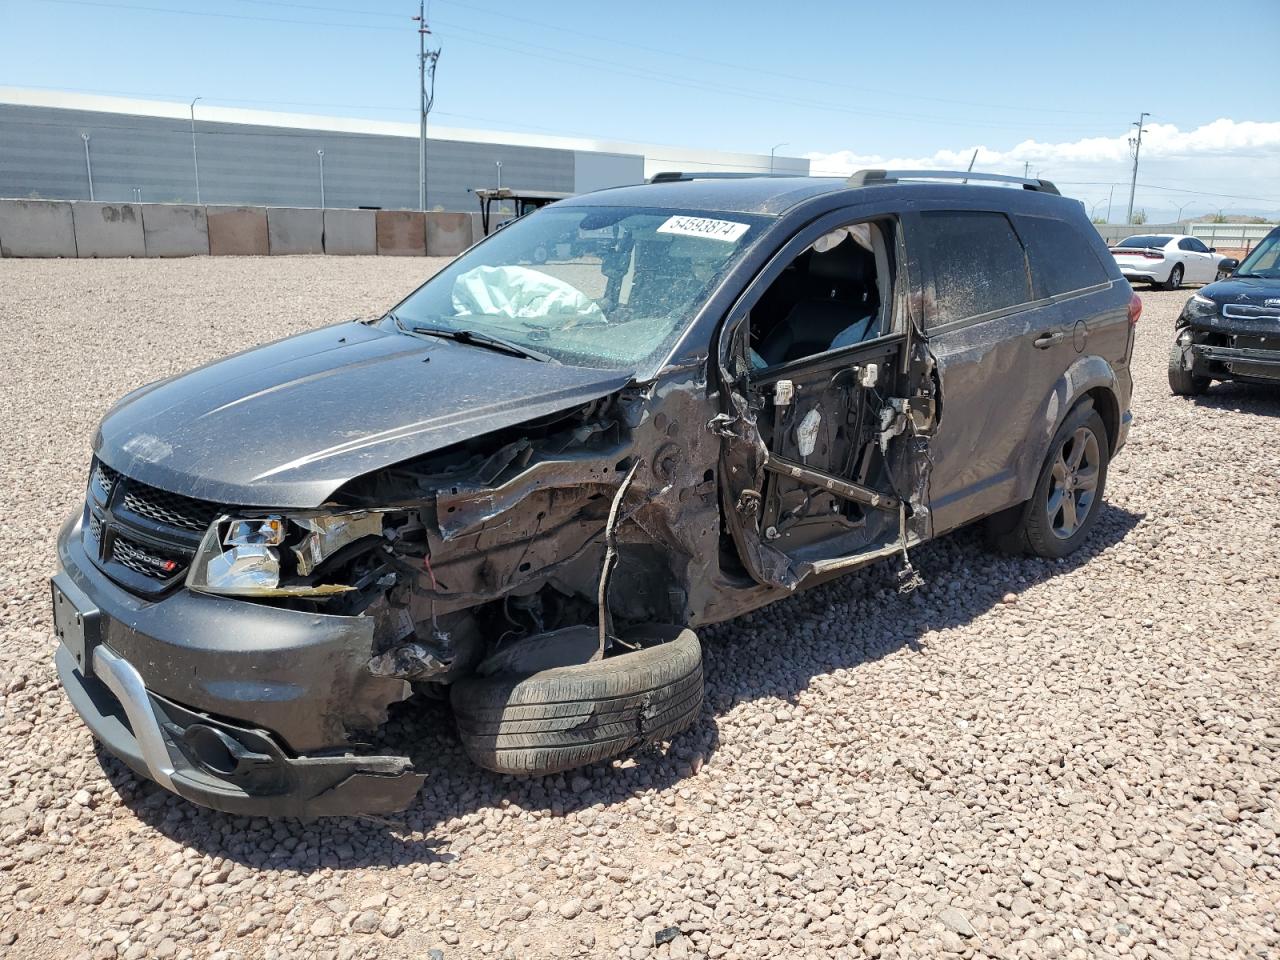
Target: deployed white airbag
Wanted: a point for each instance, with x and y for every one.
(521, 293)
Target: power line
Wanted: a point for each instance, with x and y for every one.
(1155, 186)
(761, 71)
(542, 52)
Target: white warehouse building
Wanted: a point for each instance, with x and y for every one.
(67, 146)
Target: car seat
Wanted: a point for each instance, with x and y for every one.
(837, 308)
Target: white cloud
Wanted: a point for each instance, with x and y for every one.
(1240, 157)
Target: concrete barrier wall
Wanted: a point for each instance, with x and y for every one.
(448, 234)
(238, 231)
(295, 230)
(350, 232)
(108, 230)
(401, 233)
(175, 230)
(59, 228)
(37, 228)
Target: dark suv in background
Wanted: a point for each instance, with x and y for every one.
(623, 416)
(1230, 330)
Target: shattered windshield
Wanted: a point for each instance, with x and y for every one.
(591, 286)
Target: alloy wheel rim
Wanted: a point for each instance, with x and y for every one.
(1073, 483)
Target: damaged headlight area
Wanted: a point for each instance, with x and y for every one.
(283, 555)
(1199, 307)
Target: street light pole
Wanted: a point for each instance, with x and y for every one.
(1182, 207)
(88, 166)
(1136, 144)
(195, 159)
(426, 70)
(320, 154)
(772, 151)
(1110, 194)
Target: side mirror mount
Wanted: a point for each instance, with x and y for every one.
(1227, 266)
(1213, 249)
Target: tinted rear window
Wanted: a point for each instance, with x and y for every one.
(1061, 259)
(1144, 241)
(978, 264)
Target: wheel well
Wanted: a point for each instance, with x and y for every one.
(1104, 401)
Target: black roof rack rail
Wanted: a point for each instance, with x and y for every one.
(676, 176)
(868, 178)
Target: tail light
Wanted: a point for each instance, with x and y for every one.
(1135, 310)
(1134, 252)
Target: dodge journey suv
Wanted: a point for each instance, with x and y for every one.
(526, 485)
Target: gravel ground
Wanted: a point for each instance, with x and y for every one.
(1024, 758)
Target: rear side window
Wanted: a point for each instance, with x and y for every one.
(978, 264)
(1061, 259)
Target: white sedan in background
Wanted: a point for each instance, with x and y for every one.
(1166, 260)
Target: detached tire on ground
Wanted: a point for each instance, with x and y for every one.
(567, 717)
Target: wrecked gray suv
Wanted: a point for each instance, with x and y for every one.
(523, 488)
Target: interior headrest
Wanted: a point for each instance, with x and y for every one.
(846, 262)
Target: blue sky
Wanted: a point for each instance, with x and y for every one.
(1054, 85)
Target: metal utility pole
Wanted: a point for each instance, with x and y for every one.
(427, 95)
(88, 166)
(195, 159)
(1026, 169)
(772, 151)
(1110, 194)
(320, 154)
(1135, 143)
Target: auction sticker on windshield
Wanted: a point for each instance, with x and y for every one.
(726, 230)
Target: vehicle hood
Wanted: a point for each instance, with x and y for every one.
(1253, 291)
(287, 424)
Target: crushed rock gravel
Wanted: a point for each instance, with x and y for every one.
(1022, 759)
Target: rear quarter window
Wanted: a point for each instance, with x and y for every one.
(1062, 259)
(978, 263)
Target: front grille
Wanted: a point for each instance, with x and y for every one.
(143, 537)
(1249, 311)
(104, 478)
(171, 509)
(146, 560)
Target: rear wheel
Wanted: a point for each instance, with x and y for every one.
(1065, 503)
(1183, 382)
(567, 717)
(1175, 278)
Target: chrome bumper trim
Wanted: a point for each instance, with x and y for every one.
(126, 683)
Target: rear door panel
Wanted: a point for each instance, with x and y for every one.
(995, 370)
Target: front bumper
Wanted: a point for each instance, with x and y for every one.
(1233, 348)
(160, 683)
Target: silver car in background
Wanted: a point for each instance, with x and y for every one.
(1167, 260)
